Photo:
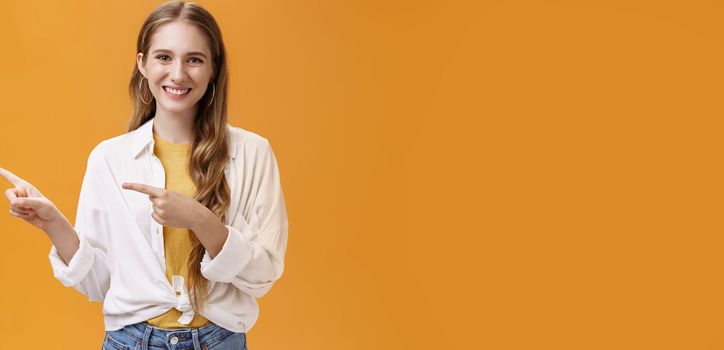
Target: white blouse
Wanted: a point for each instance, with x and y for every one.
(121, 259)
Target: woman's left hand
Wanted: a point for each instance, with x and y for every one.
(171, 208)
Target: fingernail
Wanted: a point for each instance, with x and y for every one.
(14, 202)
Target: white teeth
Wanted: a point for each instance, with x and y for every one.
(176, 92)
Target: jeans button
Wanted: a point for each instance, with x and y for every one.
(174, 340)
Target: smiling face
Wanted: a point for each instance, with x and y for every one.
(178, 67)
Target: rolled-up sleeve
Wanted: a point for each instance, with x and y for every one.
(252, 257)
(87, 271)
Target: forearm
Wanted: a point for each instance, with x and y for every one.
(64, 238)
(211, 232)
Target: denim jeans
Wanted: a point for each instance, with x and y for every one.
(143, 336)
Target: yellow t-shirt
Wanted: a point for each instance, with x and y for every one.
(177, 241)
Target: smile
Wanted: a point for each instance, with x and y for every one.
(176, 92)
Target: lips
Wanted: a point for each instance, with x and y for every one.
(177, 90)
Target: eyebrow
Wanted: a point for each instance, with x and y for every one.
(189, 54)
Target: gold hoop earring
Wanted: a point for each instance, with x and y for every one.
(140, 91)
(213, 93)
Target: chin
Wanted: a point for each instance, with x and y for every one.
(178, 106)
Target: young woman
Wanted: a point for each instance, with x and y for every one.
(181, 222)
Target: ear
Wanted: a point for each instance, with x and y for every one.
(141, 65)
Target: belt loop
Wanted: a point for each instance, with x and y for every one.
(195, 336)
(146, 337)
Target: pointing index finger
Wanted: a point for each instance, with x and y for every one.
(149, 190)
(12, 178)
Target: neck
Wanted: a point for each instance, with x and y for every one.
(174, 127)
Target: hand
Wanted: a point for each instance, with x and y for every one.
(171, 208)
(27, 203)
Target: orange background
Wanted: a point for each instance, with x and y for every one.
(458, 175)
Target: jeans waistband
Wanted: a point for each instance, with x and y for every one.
(160, 337)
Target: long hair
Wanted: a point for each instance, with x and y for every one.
(209, 151)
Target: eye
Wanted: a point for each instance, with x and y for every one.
(161, 57)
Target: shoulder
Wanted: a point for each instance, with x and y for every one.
(244, 136)
(111, 148)
(247, 142)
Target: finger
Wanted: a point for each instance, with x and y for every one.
(34, 203)
(11, 193)
(155, 208)
(21, 211)
(12, 178)
(157, 218)
(20, 208)
(149, 190)
(22, 191)
(19, 215)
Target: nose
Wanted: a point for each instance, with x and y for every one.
(178, 72)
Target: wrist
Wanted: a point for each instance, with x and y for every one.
(57, 226)
(201, 218)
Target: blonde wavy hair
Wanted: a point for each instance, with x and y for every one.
(209, 151)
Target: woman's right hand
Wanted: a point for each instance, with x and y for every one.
(27, 203)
